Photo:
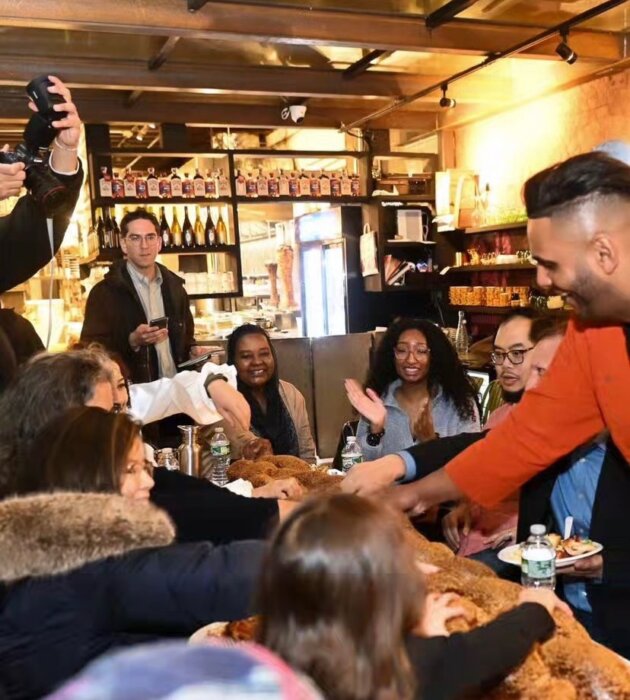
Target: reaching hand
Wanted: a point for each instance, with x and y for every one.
(281, 489)
(369, 477)
(501, 538)
(591, 567)
(147, 335)
(368, 404)
(438, 610)
(68, 128)
(457, 523)
(545, 597)
(12, 178)
(257, 448)
(406, 499)
(230, 404)
(423, 428)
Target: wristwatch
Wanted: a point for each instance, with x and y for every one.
(374, 439)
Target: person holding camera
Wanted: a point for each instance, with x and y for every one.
(53, 186)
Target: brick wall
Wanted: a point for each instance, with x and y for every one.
(510, 147)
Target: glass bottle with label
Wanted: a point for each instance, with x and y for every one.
(335, 185)
(241, 185)
(251, 185)
(199, 185)
(198, 228)
(210, 230)
(304, 185)
(294, 185)
(188, 231)
(100, 230)
(273, 185)
(346, 186)
(165, 230)
(129, 184)
(153, 188)
(223, 184)
(105, 183)
(165, 187)
(118, 187)
(283, 185)
(324, 185)
(142, 191)
(108, 229)
(222, 234)
(176, 230)
(115, 231)
(176, 184)
(315, 184)
(188, 188)
(262, 185)
(210, 185)
(355, 185)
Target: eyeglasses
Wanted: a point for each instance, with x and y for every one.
(402, 352)
(516, 357)
(137, 468)
(136, 239)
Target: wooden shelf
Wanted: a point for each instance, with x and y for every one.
(491, 268)
(499, 310)
(405, 198)
(408, 244)
(296, 200)
(150, 201)
(215, 295)
(262, 152)
(493, 228)
(224, 248)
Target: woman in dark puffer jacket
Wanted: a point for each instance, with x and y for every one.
(86, 569)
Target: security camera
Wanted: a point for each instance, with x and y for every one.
(296, 112)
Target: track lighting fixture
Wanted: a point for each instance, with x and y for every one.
(447, 102)
(565, 52)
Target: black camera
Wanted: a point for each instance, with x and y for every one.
(34, 149)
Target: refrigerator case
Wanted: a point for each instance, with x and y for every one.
(332, 290)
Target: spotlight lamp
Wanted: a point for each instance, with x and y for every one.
(447, 102)
(565, 52)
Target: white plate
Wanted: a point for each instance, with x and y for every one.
(512, 555)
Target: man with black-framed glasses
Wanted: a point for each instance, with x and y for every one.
(135, 292)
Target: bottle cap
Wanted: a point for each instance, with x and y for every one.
(351, 439)
(538, 530)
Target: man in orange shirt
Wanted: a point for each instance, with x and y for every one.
(579, 234)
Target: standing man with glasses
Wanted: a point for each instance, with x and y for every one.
(135, 292)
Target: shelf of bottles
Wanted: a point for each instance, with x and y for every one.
(271, 176)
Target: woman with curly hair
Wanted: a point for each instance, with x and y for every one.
(416, 390)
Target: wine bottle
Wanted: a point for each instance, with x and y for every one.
(100, 230)
(108, 234)
(199, 185)
(115, 232)
(188, 231)
(153, 187)
(199, 232)
(222, 235)
(188, 188)
(165, 230)
(210, 233)
(176, 183)
(176, 230)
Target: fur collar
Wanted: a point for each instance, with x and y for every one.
(47, 534)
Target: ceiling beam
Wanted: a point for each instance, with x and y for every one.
(115, 74)
(108, 109)
(364, 63)
(447, 12)
(224, 21)
(167, 49)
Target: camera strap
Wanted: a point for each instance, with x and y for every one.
(51, 240)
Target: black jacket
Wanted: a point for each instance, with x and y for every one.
(202, 511)
(85, 573)
(24, 241)
(456, 666)
(435, 454)
(610, 525)
(114, 310)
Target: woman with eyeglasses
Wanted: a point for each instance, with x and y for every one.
(88, 564)
(416, 390)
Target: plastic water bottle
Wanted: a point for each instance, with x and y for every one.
(220, 452)
(167, 459)
(538, 560)
(351, 454)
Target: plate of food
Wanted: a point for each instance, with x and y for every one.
(567, 551)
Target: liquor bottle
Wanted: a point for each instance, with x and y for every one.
(346, 188)
(165, 187)
(273, 185)
(355, 185)
(118, 188)
(222, 234)
(129, 184)
(105, 183)
(108, 229)
(304, 185)
(210, 185)
(223, 184)
(176, 184)
(251, 186)
(153, 187)
(262, 185)
(283, 184)
(241, 185)
(199, 185)
(324, 185)
(199, 232)
(165, 230)
(314, 184)
(210, 233)
(176, 230)
(188, 231)
(294, 187)
(335, 185)
(115, 232)
(142, 191)
(100, 230)
(188, 188)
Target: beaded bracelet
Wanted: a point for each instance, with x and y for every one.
(62, 147)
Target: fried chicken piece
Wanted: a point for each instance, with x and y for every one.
(246, 469)
(288, 462)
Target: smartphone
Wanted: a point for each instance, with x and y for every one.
(161, 322)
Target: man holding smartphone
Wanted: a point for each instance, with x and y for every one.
(141, 309)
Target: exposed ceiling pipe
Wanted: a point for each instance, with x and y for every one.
(489, 60)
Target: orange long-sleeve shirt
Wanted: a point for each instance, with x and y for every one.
(586, 390)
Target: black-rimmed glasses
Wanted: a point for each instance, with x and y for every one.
(516, 357)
